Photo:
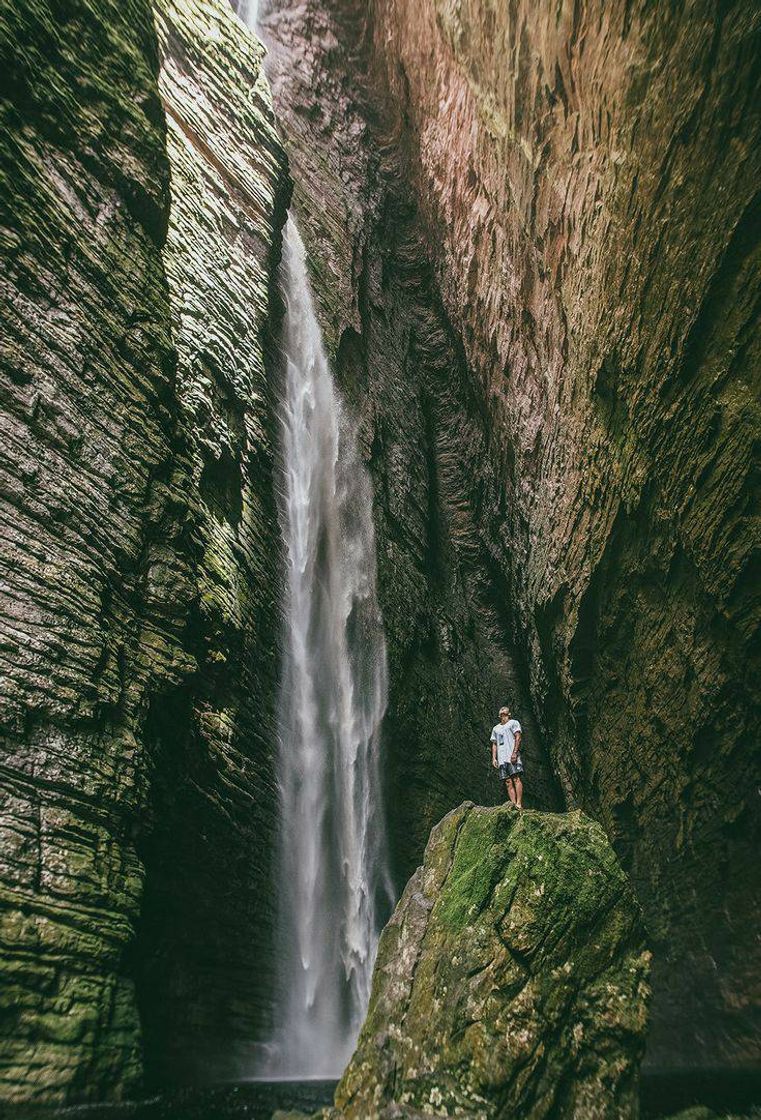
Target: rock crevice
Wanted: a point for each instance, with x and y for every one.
(443, 548)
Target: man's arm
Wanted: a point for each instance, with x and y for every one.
(493, 742)
(517, 747)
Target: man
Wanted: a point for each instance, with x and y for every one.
(505, 754)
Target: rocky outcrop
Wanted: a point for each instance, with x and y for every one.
(511, 980)
(138, 540)
(205, 948)
(439, 512)
(583, 178)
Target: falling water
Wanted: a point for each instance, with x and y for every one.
(333, 874)
(334, 886)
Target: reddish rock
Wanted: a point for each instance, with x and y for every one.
(584, 180)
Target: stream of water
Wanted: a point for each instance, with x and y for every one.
(333, 880)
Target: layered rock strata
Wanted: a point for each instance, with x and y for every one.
(439, 516)
(138, 540)
(511, 980)
(94, 508)
(586, 181)
(205, 949)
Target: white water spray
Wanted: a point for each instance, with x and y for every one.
(334, 887)
(333, 869)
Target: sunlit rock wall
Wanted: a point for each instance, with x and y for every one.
(587, 178)
(441, 526)
(205, 950)
(94, 500)
(139, 544)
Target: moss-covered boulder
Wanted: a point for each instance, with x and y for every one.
(512, 979)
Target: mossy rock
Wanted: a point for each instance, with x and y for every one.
(511, 981)
(701, 1112)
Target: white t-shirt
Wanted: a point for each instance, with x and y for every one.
(504, 736)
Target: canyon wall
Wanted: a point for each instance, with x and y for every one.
(93, 503)
(138, 538)
(205, 952)
(534, 239)
(439, 507)
(583, 404)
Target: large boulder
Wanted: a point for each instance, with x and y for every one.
(511, 981)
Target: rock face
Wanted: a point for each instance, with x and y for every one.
(534, 236)
(511, 980)
(439, 511)
(205, 948)
(93, 505)
(584, 181)
(137, 540)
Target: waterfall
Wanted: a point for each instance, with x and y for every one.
(333, 882)
(332, 862)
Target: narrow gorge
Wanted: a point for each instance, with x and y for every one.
(367, 365)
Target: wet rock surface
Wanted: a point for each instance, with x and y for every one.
(512, 979)
(730, 1099)
(246, 1101)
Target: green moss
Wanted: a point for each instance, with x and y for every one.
(480, 857)
(513, 983)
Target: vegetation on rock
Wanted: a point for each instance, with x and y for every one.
(512, 979)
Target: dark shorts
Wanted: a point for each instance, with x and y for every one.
(507, 770)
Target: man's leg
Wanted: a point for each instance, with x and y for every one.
(510, 789)
(518, 791)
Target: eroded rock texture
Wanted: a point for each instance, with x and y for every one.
(94, 504)
(586, 177)
(439, 509)
(511, 980)
(137, 540)
(205, 950)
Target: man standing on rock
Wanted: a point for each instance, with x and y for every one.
(505, 754)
